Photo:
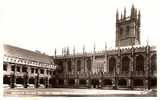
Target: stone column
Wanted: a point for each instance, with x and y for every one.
(88, 83)
(76, 83)
(100, 83)
(146, 83)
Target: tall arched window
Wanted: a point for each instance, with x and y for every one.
(153, 63)
(69, 66)
(89, 64)
(125, 64)
(127, 30)
(112, 64)
(121, 33)
(79, 65)
(139, 63)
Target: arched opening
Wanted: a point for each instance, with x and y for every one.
(153, 63)
(71, 82)
(112, 64)
(153, 82)
(69, 66)
(82, 82)
(79, 65)
(107, 82)
(31, 80)
(95, 83)
(138, 82)
(42, 81)
(122, 83)
(139, 63)
(6, 80)
(125, 64)
(19, 80)
(61, 82)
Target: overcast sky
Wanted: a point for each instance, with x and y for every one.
(48, 24)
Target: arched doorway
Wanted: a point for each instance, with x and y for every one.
(31, 80)
(125, 64)
(82, 82)
(122, 83)
(107, 82)
(112, 64)
(19, 80)
(95, 83)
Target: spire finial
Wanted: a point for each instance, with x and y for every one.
(74, 50)
(117, 15)
(147, 41)
(132, 11)
(83, 48)
(124, 13)
(55, 52)
(105, 46)
(94, 46)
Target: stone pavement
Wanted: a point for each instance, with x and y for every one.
(78, 92)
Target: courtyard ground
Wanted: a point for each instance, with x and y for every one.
(78, 92)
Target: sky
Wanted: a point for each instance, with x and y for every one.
(48, 24)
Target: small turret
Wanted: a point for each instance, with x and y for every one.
(124, 16)
(117, 15)
(55, 52)
(139, 18)
(132, 11)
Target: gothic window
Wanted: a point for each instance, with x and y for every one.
(18, 68)
(13, 67)
(60, 67)
(42, 71)
(125, 64)
(69, 66)
(154, 63)
(127, 30)
(122, 82)
(89, 64)
(79, 65)
(32, 70)
(139, 63)
(36, 70)
(121, 32)
(24, 69)
(112, 64)
(5, 67)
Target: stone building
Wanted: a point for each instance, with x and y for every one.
(26, 69)
(129, 65)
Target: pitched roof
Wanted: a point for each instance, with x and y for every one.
(26, 54)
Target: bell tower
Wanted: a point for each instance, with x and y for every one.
(128, 28)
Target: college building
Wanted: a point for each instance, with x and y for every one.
(128, 66)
